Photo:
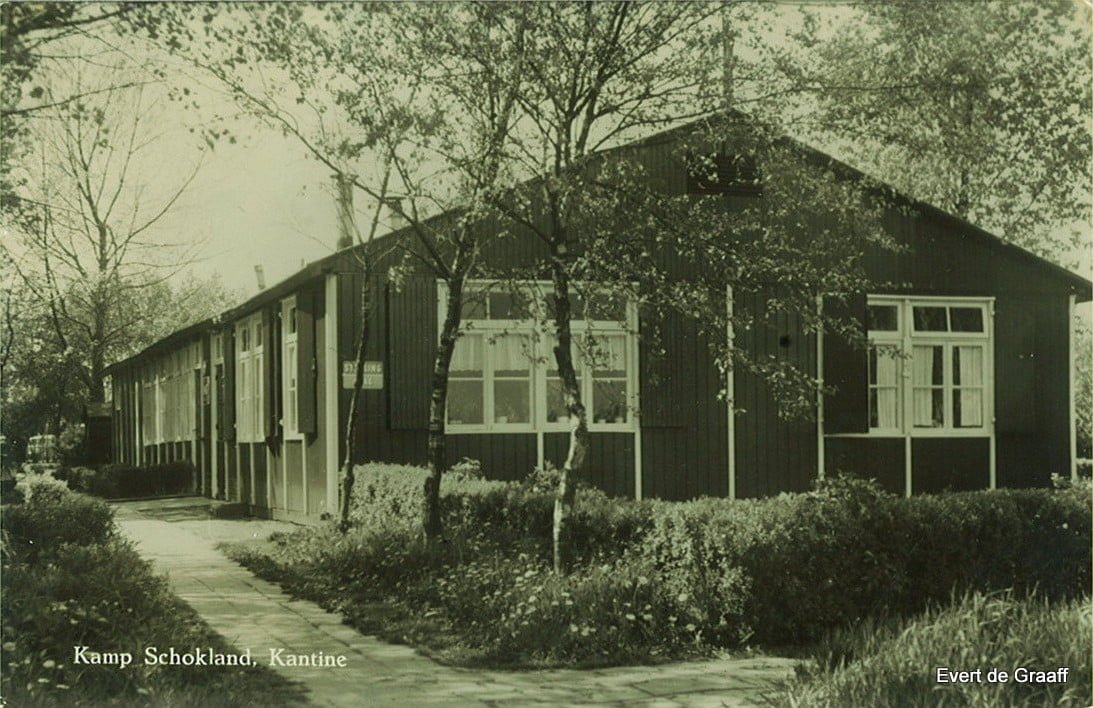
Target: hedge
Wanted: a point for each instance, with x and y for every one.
(392, 496)
(125, 481)
(786, 569)
(847, 551)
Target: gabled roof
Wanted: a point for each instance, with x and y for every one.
(1078, 285)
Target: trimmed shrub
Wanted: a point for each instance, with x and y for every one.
(516, 608)
(391, 496)
(668, 579)
(51, 516)
(848, 550)
(124, 481)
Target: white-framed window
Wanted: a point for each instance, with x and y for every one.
(249, 394)
(930, 366)
(503, 376)
(290, 370)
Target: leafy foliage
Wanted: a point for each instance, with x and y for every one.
(123, 481)
(975, 107)
(655, 579)
(70, 580)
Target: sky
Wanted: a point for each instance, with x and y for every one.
(258, 201)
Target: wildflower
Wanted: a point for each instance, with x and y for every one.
(630, 617)
(49, 663)
(9, 646)
(682, 597)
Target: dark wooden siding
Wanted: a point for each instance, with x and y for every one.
(609, 464)
(845, 369)
(1030, 350)
(411, 338)
(684, 433)
(881, 459)
(248, 453)
(308, 302)
(507, 456)
(772, 454)
(294, 476)
(949, 464)
(265, 467)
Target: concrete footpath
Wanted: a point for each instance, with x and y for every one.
(180, 539)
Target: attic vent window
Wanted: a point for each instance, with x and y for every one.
(724, 173)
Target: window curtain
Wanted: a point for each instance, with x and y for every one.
(467, 356)
(886, 373)
(611, 356)
(510, 355)
(926, 372)
(968, 372)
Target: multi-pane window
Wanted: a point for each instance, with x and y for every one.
(504, 377)
(466, 381)
(609, 380)
(249, 378)
(929, 364)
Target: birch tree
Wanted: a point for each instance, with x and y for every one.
(408, 106)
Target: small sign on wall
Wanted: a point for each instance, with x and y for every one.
(373, 375)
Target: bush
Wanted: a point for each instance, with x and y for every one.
(894, 663)
(124, 481)
(848, 550)
(391, 496)
(70, 581)
(656, 578)
(51, 516)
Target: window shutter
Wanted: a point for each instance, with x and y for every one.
(228, 432)
(1015, 365)
(846, 368)
(307, 301)
(269, 378)
(662, 379)
(411, 336)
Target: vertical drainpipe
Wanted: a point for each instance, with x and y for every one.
(821, 469)
(1072, 302)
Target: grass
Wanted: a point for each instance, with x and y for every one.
(894, 663)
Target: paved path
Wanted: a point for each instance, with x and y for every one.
(252, 613)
